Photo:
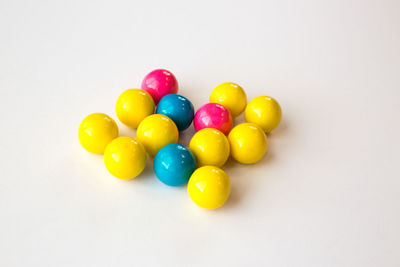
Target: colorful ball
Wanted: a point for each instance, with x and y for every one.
(159, 83)
(212, 115)
(248, 143)
(265, 112)
(174, 164)
(209, 187)
(96, 131)
(231, 96)
(178, 108)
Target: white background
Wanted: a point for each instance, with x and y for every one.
(326, 194)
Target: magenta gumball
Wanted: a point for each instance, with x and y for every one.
(159, 83)
(215, 116)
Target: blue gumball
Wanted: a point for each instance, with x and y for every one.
(178, 108)
(174, 164)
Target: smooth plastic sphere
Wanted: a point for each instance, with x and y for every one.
(178, 108)
(265, 112)
(174, 164)
(248, 143)
(231, 96)
(133, 106)
(159, 83)
(210, 147)
(156, 131)
(96, 131)
(209, 187)
(212, 115)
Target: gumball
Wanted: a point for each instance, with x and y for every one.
(210, 147)
(133, 106)
(156, 131)
(159, 83)
(209, 187)
(231, 96)
(96, 131)
(264, 111)
(248, 143)
(178, 108)
(174, 164)
(212, 115)
(125, 157)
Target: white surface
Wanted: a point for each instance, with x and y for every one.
(326, 194)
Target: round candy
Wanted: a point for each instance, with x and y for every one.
(178, 108)
(96, 131)
(264, 111)
(133, 106)
(159, 83)
(174, 164)
(156, 131)
(125, 157)
(231, 96)
(212, 115)
(209, 187)
(248, 143)
(210, 147)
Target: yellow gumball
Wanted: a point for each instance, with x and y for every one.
(231, 96)
(125, 157)
(96, 131)
(210, 147)
(248, 143)
(209, 187)
(133, 106)
(156, 131)
(264, 111)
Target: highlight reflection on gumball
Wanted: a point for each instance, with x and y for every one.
(212, 115)
(159, 83)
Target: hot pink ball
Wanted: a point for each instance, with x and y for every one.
(215, 116)
(159, 83)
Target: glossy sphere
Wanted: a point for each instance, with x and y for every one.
(248, 143)
(209, 187)
(210, 147)
(264, 111)
(159, 83)
(133, 106)
(125, 157)
(156, 131)
(174, 164)
(212, 115)
(96, 131)
(178, 108)
(231, 96)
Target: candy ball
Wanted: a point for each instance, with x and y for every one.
(133, 106)
(178, 108)
(231, 96)
(125, 157)
(209, 187)
(159, 83)
(96, 131)
(212, 115)
(156, 131)
(210, 147)
(264, 111)
(248, 143)
(174, 164)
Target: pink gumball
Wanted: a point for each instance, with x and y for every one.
(215, 116)
(159, 83)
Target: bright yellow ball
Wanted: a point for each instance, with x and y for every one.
(264, 111)
(210, 147)
(156, 131)
(248, 143)
(133, 106)
(231, 96)
(209, 187)
(96, 131)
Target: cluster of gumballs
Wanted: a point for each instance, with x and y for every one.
(159, 114)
